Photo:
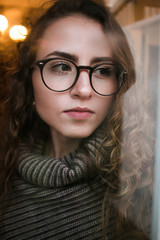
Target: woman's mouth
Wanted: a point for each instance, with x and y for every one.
(79, 113)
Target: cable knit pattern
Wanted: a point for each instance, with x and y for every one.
(51, 199)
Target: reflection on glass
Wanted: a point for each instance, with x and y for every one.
(143, 104)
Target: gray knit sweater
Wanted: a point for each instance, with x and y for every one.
(51, 199)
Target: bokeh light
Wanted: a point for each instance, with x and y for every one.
(18, 33)
(3, 23)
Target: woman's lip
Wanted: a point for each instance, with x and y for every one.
(79, 113)
(79, 109)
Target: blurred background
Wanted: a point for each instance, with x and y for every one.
(23, 12)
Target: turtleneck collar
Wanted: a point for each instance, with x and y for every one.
(49, 172)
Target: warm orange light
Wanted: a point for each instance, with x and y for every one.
(18, 33)
(3, 23)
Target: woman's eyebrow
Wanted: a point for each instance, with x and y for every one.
(69, 56)
(74, 58)
(101, 59)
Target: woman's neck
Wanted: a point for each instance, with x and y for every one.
(61, 146)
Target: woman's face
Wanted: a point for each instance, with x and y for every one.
(76, 113)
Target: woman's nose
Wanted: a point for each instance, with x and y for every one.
(82, 88)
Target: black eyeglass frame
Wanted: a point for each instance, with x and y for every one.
(41, 64)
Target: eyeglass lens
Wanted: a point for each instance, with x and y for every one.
(60, 75)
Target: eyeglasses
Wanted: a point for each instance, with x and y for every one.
(60, 75)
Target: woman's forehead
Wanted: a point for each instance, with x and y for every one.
(75, 35)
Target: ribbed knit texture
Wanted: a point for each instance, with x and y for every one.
(52, 200)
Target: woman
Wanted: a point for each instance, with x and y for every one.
(62, 133)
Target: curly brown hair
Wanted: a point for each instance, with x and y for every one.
(125, 185)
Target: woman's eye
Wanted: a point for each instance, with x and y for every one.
(61, 67)
(105, 72)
